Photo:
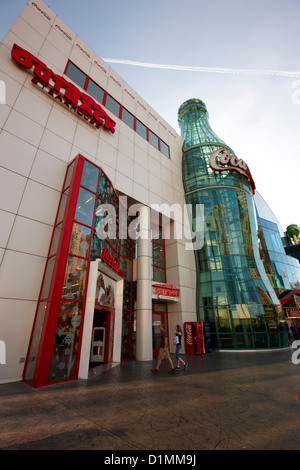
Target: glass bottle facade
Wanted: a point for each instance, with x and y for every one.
(234, 294)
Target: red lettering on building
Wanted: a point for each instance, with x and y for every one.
(112, 261)
(164, 289)
(188, 333)
(58, 87)
(233, 163)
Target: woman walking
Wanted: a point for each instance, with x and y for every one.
(178, 333)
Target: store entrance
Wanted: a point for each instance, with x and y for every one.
(102, 337)
(159, 317)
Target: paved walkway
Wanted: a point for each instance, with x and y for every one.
(224, 401)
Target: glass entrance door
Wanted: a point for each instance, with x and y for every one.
(159, 317)
(98, 344)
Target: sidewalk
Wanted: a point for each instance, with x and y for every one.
(224, 401)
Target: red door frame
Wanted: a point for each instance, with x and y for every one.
(164, 319)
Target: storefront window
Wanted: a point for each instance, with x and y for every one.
(65, 348)
(158, 255)
(80, 243)
(85, 207)
(62, 206)
(32, 355)
(159, 275)
(104, 188)
(75, 277)
(97, 246)
(90, 176)
(55, 240)
(48, 278)
(80, 240)
(69, 176)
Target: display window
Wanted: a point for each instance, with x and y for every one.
(78, 238)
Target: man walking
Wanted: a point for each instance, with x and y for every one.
(163, 351)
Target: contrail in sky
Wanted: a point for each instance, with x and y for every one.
(282, 73)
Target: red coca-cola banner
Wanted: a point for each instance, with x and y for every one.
(63, 91)
(112, 261)
(189, 338)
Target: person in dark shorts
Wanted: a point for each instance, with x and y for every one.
(178, 332)
(163, 351)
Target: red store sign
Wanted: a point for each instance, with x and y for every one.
(232, 163)
(112, 261)
(164, 289)
(62, 90)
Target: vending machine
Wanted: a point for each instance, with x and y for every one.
(208, 347)
(194, 338)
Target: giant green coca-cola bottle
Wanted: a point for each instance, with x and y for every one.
(234, 294)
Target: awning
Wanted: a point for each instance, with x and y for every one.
(285, 296)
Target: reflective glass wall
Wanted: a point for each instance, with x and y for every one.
(234, 294)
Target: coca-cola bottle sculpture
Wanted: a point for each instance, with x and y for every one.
(233, 291)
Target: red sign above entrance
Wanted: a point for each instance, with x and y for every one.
(165, 289)
(62, 90)
(112, 261)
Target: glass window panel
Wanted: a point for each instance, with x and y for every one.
(80, 240)
(95, 91)
(126, 267)
(62, 206)
(158, 255)
(128, 118)
(159, 275)
(65, 347)
(90, 176)
(157, 233)
(75, 74)
(112, 105)
(164, 148)
(153, 139)
(35, 342)
(48, 278)
(85, 207)
(105, 220)
(69, 175)
(126, 246)
(141, 129)
(159, 306)
(75, 277)
(104, 188)
(127, 295)
(55, 240)
(97, 246)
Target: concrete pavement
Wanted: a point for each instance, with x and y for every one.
(224, 401)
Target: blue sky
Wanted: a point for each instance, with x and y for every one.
(258, 115)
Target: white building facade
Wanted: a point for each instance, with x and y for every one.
(79, 148)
